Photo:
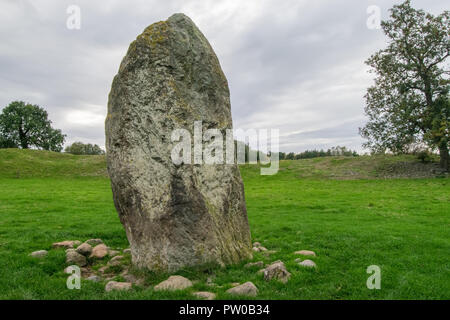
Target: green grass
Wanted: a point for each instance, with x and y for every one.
(401, 225)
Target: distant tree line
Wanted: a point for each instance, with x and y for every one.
(84, 149)
(308, 154)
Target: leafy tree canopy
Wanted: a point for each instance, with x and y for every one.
(23, 125)
(409, 102)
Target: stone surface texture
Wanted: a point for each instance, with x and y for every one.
(305, 253)
(205, 295)
(276, 270)
(73, 257)
(308, 263)
(246, 289)
(99, 251)
(85, 249)
(174, 215)
(39, 253)
(174, 283)
(114, 285)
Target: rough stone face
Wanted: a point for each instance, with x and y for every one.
(308, 264)
(247, 289)
(277, 270)
(305, 253)
(174, 215)
(39, 254)
(99, 251)
(113, 253)
(133, 279)
(94, 242)
(258, 264)
(205, 295)
(174, 283)
(94, 278)
(85, 249)
(114, 285)
(67, 244)
(115, 261)
(73, 257)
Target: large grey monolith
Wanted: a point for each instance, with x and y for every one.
(175, 215)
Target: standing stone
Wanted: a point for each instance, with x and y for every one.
(175, 215)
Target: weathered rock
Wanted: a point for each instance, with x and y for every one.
(276, 270)
(94, 278)
(86, 272)
(73, 257)
(305, 252)
(174, 283)
(66, 244)
(256, 249)
(103, 269)
(175, 215)
(85, 249)
(247, 289)
(205, 295)
(133, 279)
(258, 264)
(114, 285)
(39, 254)
(94, 242)
(99, 251)
(256, 244)
(308, 264)
(113, 253)
(117, 260)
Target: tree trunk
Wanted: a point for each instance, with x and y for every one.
(445, 158)
(22, 138)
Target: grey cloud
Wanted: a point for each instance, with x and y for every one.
(293, 65)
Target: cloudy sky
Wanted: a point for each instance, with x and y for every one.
(293, 65)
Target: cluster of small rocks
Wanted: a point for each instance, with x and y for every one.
(306, 263)
(92, 251)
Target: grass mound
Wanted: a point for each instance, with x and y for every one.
(400, 225)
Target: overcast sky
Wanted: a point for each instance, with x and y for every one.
(293, 65)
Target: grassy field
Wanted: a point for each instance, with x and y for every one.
(344, 209)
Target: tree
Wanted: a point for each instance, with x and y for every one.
(290, 156)
(409, 102)
(82, 148)
(26, 125)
